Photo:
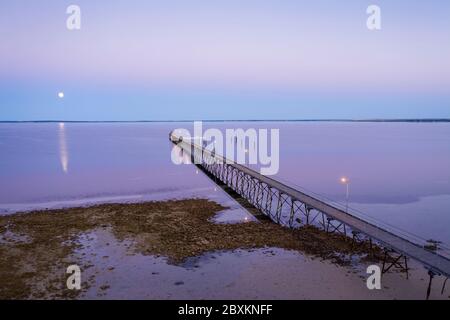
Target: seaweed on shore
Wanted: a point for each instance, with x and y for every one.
(36, 247)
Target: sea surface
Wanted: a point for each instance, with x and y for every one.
(399, 173)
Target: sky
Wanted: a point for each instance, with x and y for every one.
(204, 60)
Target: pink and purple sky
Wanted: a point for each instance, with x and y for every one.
(255, 59)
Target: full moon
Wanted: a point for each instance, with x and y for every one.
(61, 95)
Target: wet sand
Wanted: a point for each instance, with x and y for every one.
(180, 249)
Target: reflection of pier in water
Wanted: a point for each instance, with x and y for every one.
(293, 208)
(63, 151)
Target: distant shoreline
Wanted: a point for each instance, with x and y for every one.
(246, 120)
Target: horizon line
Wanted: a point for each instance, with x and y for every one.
(235, 120)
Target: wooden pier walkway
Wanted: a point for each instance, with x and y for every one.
(290, 206)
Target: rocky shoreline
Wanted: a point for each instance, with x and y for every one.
(36, 247)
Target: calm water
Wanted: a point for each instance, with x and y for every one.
(399, 172)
